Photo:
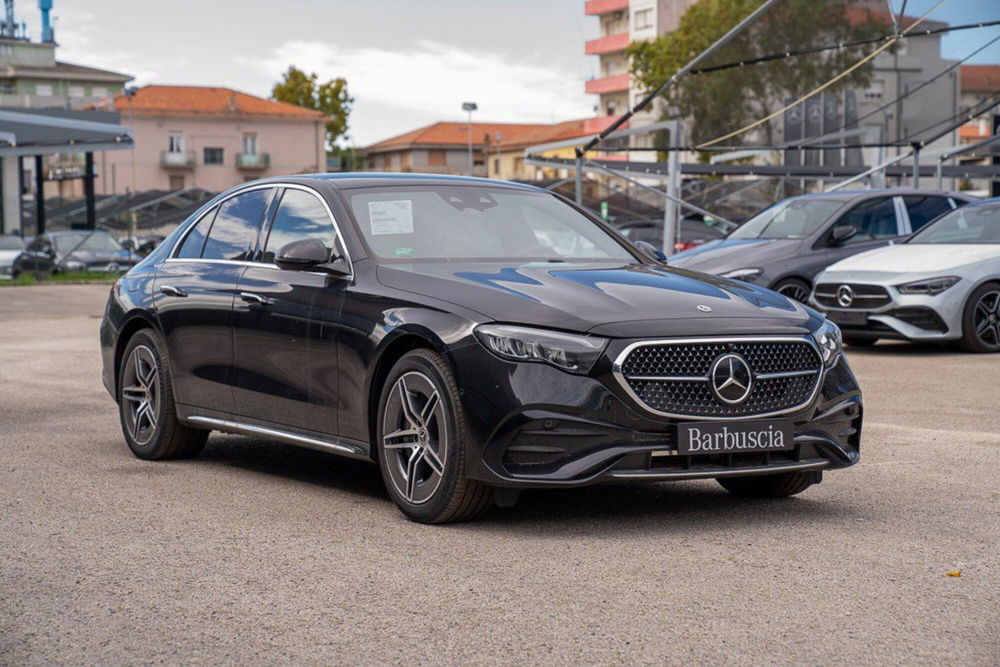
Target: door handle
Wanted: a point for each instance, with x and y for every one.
(250, 297)
(170, 290)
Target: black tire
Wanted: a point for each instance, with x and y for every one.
(781, 485)
(162, 436)
(860, 342)
(793, 288)
(430, 450)
(981, 320)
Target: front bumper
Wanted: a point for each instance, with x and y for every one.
(531, 425)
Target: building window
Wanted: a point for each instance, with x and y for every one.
(436, 158)
(496, 165)
(175, 142)
(644, 19)
(404, 161)
(43, 89)
(213, 155)
(874, 91)
(371, 163)
(98, 91)
(7, 88)
(250, 144)
(76, 91)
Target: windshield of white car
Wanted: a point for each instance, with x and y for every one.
(789, 219)
(478, 223)
(11, 243)
(86, 241)
(969, 224)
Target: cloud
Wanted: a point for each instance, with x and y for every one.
(431, 79)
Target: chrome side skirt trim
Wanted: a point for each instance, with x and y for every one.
(228, 426)
(651, 475)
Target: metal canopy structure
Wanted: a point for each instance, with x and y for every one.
(40, 132)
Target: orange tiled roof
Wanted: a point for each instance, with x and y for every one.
(457, 134)
(985, 78)
(873, 13)
(208, 101)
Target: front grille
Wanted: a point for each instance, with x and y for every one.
(866, 297)
(673, 378)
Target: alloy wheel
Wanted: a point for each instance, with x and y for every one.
(415, 437)
(794, 291)
(140, 394)
(986, 318)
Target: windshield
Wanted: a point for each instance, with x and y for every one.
(11, 243)
(85, 241)
(462, 222)
(971, 224)
(788, 219)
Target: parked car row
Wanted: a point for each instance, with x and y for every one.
(69, 251)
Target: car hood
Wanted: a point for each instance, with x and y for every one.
(610, 299)
(728, 254)
(919, 257)
(8, 256)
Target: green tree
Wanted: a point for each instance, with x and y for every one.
(297, 87)
(720, 102)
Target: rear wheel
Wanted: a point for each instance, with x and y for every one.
(981, 320)
(146, 403)
(781, 485)
(421, 443)
(860, 342)
(793, 288)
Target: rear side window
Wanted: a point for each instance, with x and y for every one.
(234, 231)
(300, 216)
(924, 208)
(195, 240)
(875, 219)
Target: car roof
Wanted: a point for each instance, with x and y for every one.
(365, 179)
(850, 195)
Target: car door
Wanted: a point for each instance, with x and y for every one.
(286, 372)
(194, 298)
(877, 222)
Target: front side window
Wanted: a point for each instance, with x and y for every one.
(924, 208)
(300, 216)
(213, 155)
(788, 219)
(235, 228)
(195, 240)
(970, 224)
(478, 223)
(874, 219)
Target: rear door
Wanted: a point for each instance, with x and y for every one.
(286, 373)
(194, 298)
(877, 223)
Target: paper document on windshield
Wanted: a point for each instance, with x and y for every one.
(391, 217)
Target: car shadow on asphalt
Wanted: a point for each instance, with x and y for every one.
(606, 509)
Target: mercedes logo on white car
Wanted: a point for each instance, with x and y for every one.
(845, 296)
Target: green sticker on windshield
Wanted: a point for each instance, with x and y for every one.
(402, 252)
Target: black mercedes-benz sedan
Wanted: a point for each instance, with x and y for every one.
(473, 338)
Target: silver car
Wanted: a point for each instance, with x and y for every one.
(941, 284)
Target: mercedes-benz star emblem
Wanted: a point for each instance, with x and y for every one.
(845, 296)
(704, 309)
(731, 378)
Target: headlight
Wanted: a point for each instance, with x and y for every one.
(73, 265)
(746, 275)
(569, 352)
(928, 286)
(830, 342)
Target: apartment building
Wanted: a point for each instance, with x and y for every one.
(211, 138)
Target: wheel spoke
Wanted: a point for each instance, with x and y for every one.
(137, 420)
(429, 408)
(134, 393)
(403, 432)
(411, 473)
(409, 413)
(434, 461)
(150, 415)
(401, 445)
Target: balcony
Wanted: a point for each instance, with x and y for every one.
(177, 159)
(608, 84)
(253, 161)
(597, 125)
(598, 7)
(607, 44)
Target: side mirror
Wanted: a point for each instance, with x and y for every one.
(842, 234)
(310, 254)
(651, 251)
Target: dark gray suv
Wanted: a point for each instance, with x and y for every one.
(786, 245)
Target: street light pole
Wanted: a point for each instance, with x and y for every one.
(469, 107)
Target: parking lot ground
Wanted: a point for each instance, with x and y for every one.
(257, 552)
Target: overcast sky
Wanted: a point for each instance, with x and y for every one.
(407, 62)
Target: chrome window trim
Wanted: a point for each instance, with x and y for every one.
(616, 371)
(290, 186)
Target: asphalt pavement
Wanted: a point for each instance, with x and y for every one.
(256, 552)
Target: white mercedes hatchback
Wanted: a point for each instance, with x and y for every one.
(941, 284)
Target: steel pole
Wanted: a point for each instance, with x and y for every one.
(579, 180)
(470, 144)
(670, 209)
(916, 165)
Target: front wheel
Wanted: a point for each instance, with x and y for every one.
(793, 288)
(780, 485)
(146, 403)
(981, 320)
(421, 443)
